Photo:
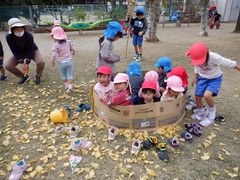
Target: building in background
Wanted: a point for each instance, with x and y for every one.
(229, 9)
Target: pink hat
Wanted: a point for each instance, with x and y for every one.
(58, 33)
(175, 83)
(122, 78)
(104, 70)
(180, 72)
(198, 53)
(56, 23)
(149, 85)
(152, 76)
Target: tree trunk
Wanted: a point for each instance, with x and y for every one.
(237, 28)
(154, 15)
(204, 18)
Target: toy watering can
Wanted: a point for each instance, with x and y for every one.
(59, 116)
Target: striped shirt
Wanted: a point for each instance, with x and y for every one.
(62, 51)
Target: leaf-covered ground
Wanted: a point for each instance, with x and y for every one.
(27, 132)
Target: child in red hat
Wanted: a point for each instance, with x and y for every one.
(208, 79)
(104, 85)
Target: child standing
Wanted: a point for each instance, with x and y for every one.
(208, 79)
(122, 91)
(106, 55)
(104, 85)
(149, 89)
(135, 78)
(2, 70)
(61, 51)
(164, 65)
(138, 27)
(173, 90)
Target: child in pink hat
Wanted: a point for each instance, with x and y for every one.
(208, 79)
(151, 76)
(174, 89)
(122, 91)
(104, 86)
(62, 51)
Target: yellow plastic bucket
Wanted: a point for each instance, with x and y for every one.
(59, 116)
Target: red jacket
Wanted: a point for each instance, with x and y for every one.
(122, 98)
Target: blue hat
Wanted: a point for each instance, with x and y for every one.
(140, 10)
(166, 63)
(113, 28)
(134, 69)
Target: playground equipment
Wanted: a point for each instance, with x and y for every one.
(84, 25)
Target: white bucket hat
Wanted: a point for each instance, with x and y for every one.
(14, 22)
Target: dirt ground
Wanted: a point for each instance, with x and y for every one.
(26, 130)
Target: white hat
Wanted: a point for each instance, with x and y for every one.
(14, 22)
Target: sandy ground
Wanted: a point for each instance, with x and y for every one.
(115, 156)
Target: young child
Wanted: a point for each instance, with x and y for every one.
(216, 18)
(182, 73)
(149, 89)
(139, 26)
(135, 78)
(61, 51)
(104, 85)
(106, 55)
(208, 79)
(173, 90)
(122, 91)
(164, 65)
(2, 70)
(151, 76)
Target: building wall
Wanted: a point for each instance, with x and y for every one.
(229, 9)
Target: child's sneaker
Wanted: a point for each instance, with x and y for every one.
(136, 56)
(173, 143)
(136, 147)
(139, 58)
(200, 116)
(149, 143)
(3, 78)
(112, 133)
(82, 107)
(207, 122)
(220, 119)
(80, 144)
(74, 130)
(18, 170)
(162, 152)
(187, 136)
(61, 129)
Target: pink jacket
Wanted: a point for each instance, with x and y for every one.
(122, 98)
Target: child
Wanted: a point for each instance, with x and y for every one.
(104, 85)
(164, 65)
(138, 27)
(106, 55)
(182, 73)
(61, 50)
(173, 90)
(216, 19)
(135, 78)
(149, 89)
(151, 76)
(208, 79)
(2, 70)
(122, 94)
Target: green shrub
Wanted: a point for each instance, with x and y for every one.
(79, 13)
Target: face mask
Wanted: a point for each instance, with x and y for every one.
(19, 34)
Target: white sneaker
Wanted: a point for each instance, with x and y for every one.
(136, 146)
(207, 122)
(139, 59)
(61, 129)
(135, 57)
(74, 130)
(112, 133)
(200, 116)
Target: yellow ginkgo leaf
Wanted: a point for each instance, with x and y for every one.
(33, 173)
(232, 175)
(61, 175)
(220, 157)
(95, 165)
(6, 142)
(235, 169)
(205, 156)
(215, 173)
(226, 152)
(131, 174)
(150, 172)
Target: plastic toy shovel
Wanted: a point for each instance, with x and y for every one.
(74, 160)
(25, 70)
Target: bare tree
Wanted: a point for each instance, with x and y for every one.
(203, 11)
(237, 28)
(154, 15)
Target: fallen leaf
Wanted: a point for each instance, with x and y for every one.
(205, 156)
(150, 172)
(215, 173)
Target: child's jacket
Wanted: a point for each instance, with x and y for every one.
(122, 98)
